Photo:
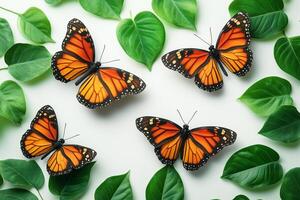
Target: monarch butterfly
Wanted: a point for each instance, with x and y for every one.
(102, 85)
(42, 140)
(195, 146)
(232, 51)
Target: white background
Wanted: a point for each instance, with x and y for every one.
(112, 131)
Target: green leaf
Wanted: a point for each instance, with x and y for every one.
(12, 102)
(166, 184)
(267, 16)
(115, 188)
(254, 167)
(22, 173)
(181, 13)
(53, 2)
(6, 36)
(16, 194)
(241, 197)
(1, 180)
(27, 62)
(267, 95)
(283, 125)
(142, 38)
(35, 26)
(290, 186)
(287, 55)
(109, 9)
(73, 185)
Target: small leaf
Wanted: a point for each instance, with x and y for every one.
(267, 16)
(35, 26)
(27, 62)
(267, 95)
(16, 194)
(142, 38)
(22, 173)
(254, 167)
(12, 102)
(283, 125)
(290, 186)
(53, 2)
(181, 13)
(166, 184)
(109, 9)
(71, 186)
(287, 55)
(241, 197)
(6, 36)
(115, 188)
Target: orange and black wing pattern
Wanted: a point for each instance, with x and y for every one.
(164, 135)
(107, 85)
(77, 53)
(186, 61)
(233, 44)
(69, 157)
(42, 135)
(204, 142)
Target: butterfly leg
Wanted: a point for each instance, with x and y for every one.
(222, 68)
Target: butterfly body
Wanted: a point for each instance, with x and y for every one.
(56, 146)
(93, 68)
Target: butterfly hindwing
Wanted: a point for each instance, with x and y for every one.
(164, 135)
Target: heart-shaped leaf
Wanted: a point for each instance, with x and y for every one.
(290, 186)
(73, 185)
(35, 26)
(142, 38)
(27, 62)
(110, 9)
(254, 167)
(22, 173)
(181, 13)
(287, 55)
(241, 197)
(115, 188)
(283, 125)
(267, 16)
(166, 184)
(268, 95)
(6, 36)
(16, 194)
(12, 102)
(53, 2)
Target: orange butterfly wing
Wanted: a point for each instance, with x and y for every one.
(233, 45)
(69, 157)
(78, 52)
(164, 135)
(204, 142)
(42, 135)
(108, 84)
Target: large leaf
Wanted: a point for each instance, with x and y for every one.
(12, 102)
(254, 167)
(283, 125)
(16, 194)
(27, 62)
(181, 13)
(241, 197)
(115, 188)
(290, 186)
(35, 26)
(287, 55)
(166, 184)
(6, 36)
(268, 95)
(267, 16)
(71, 186)
(22, 173)
(142, 38)
(110, 9)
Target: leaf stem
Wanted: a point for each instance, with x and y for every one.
(3, 68)
(9, 11)
(39, 194)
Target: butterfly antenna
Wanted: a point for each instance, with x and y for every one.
(181, 116)
(64, 130)
(192, 117)
(201, 39)
(102, 52)
(72, 137)
(111, 61)
(210, 36)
